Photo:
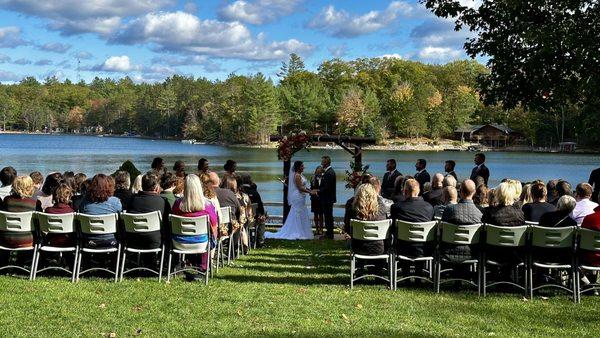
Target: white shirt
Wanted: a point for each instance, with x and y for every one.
(324, 170)
(5, 191)
(582, 209)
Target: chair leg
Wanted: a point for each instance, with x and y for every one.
(209, 262)
(79, 264)
(438, 272)
(162, 261)
(483, 276)
(35, 263)
(391, 272)
(169, 266)
(118, 265)
(33, 259)
(74, 271)
(352, 267)
(123, 263)
(530, 268)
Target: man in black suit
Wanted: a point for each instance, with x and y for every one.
(389, 179)
(327, 196)
(422, 176)
(594, 181)
(449, 168)
(480, 169)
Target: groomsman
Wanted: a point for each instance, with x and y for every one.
(449, 169)
(422, 176)
(389, 178)
(480, 169)
(327, 195)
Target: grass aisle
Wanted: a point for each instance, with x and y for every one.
(290, 288)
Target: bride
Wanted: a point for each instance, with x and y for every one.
(297, 225)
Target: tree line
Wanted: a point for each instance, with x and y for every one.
(377, 97)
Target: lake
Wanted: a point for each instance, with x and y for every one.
(92, 154)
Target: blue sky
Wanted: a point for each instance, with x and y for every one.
(149, 40)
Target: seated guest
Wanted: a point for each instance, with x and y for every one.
(251, 190)
(449, 197)
(245, 209)
(592, 222)
(210, 194)
(481, 197)
(384, 203)
(7, 177)
(62, 200)
(122, 191)
(203, 167)
(398, 194)
(412, 209)
(230, 167)
(479, 181)
(365, 207)
(552, 192)
(449, 181)
(584, 207)
(99, 200)
(136, 186)
(82, 190)
(517, 190)
(560, 217)
(534, 210)
(149, 200)
(526, 195)
(434, 196)
(178, 191)
(79, 179)
(465, 212)
(38, 181)
(68, 177)
(225, 197)
(562, 188)
(505, 213)
(50, 184)
(193, 204)
(168, 183)
(179, 169)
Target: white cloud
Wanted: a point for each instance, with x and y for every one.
(391, 56)
(439, 54)
(186, 33)
(10, 37)
(338, 51)
(22, 61)
(43, 62)
(83, 55)
(8, 76)
(76, 16)
(340, 23)
(258, 12)
(55, 47)
(120, 64)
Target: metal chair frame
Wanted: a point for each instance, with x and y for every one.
(190, 226)
(371, 230)
(56, 224)
(98, 225)
(140, 223)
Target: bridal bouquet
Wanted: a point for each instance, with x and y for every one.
(289, 145)
(355, 175)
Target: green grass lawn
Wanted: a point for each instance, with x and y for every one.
(289, 288)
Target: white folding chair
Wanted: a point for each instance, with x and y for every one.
(589, 241)
(18, 222)
(98, 225)
(225, 220)
(138, 224)
(253, 231)
(454, 234)
(190, 226)
(415, 232)
(56, 224)
(371, 231)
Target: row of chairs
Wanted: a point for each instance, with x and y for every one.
(484, 238)
(78, 224)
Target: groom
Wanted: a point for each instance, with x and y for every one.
(327, 194)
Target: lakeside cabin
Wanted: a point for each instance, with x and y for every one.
(492, 135)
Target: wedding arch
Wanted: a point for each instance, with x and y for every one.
(289, 145)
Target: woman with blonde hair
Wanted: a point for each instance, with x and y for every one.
(137, 184)
(505, 213)
(365, 207)
(193, 204)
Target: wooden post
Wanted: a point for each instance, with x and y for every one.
(286, 170)
(357, 157)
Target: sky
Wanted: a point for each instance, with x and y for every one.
(150, 40)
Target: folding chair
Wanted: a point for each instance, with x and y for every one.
(502, 237)
(56, 224)
(190, 226)
(226, 219)
(454, 234)
(371, 231)
(414, 232)
(19, 222)
(142, 223)
(253, 229)
(553, 238)
(589, 240)
(98, 225)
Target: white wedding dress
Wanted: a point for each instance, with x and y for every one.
(297, 225)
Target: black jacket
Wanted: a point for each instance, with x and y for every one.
(434, 197)
(413, 209)
(510, 216)
(533, 211)
(422, 177)
(327, 193)
(482, 171)
(388, 183)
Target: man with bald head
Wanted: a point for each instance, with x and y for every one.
(465, 211)
(434, 196)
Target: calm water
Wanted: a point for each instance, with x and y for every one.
(90, 154)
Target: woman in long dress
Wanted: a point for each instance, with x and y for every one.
(297, 224)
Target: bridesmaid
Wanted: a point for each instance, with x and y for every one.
(315, 205)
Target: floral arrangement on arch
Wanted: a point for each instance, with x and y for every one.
(356, 175)
(288, 145)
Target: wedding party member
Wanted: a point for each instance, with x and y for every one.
(412, 209)
(203, 166)
(365, 207)
(38, 181)
(158, 165)
(594, 181)
(480, 168)
(422, 176)
(230, 167)
(297, 224)
(434, 196)
(560, 217)
(327, 194)
(179, 168)
(100, 200)
(534, 210)
(193, 204)
(122, 185)
(389, 179)
(168, 183)
(7, 177)
(449, 169)
(584, 206)
(315, 204)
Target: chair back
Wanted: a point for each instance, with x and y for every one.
(56, 223)
(225, 215)
(531, 223)
(189, 226)
(98, 224)
(416, 231)
(589, 239)
(136, 223)
(546, 237)
(370, 230)
(16, 221)
(506, 236)
(460, 234)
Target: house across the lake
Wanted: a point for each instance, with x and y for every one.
(491, 134)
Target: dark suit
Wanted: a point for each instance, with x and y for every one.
(422, 177)
(453, 174)
(594, 181)
(413, 209)
(434, 197)
(482, 171)
(327, 197)
(388, 183)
